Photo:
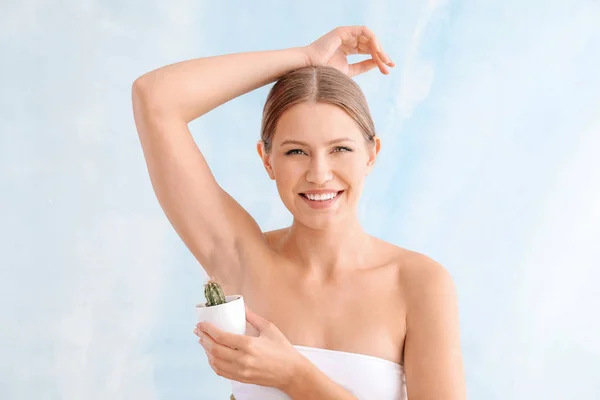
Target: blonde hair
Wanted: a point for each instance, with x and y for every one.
(318, 84)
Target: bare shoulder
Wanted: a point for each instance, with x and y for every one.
(423, 275)
(420, 276)
(432, 346)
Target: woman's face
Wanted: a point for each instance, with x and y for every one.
(319, 159)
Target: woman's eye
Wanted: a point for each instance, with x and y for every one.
(338, 149)
(341, 149)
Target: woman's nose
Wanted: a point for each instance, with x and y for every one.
(319, 171)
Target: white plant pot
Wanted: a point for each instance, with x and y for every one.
(229, 316)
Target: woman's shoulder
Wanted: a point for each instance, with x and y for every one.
(418, 272)
(422, 277)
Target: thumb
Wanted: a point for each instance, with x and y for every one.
(361, 67)
(256, 320)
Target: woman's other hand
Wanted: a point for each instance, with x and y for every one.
(333, 48)
(266, 360)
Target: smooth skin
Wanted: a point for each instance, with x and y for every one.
(324, 257)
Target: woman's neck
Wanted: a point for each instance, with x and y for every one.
(327, 253)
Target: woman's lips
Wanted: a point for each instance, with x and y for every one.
(321, 204)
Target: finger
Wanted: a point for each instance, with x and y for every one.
(225, 338)
(257, 321)
(364, 47)
(232, 366)
(387, 60)
(361, 67)
(348, 33)
(217, 350)
(377, 57)
(376, 50)
(223, 368)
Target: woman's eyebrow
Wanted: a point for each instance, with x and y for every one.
(290, 141)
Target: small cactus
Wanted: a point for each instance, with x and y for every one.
(213, 293)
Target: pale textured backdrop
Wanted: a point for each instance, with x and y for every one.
(491, 135)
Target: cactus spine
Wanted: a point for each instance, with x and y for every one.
(214, 294)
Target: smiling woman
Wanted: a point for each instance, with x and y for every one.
(322, 151)
(318, 143)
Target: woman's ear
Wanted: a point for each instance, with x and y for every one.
(265, 158)
(374, 149)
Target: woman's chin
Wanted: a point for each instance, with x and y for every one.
(317, 221)
(317, 216)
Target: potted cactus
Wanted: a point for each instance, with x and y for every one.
(227, 313)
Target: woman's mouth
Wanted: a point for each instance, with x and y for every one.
(321, 200)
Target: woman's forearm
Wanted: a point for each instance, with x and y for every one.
(311, 383)
(194, 87)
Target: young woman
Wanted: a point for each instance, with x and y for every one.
(343, 315)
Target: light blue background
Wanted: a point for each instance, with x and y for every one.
(491, 133)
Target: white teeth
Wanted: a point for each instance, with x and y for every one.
(321, 197)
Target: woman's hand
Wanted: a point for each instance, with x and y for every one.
(267, 360)
(332, 49)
